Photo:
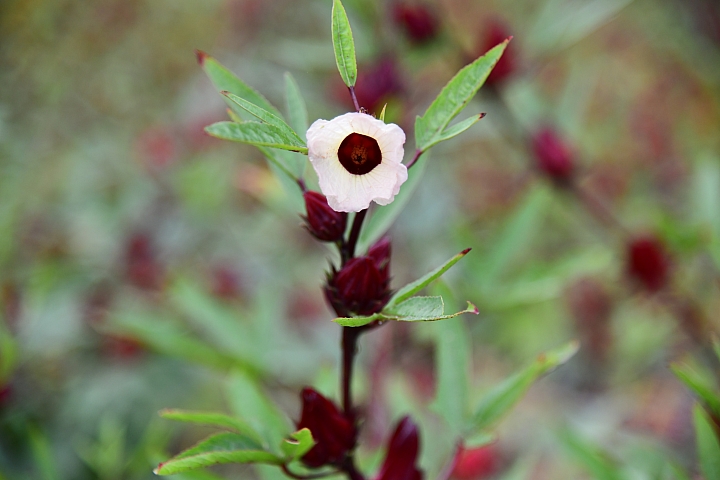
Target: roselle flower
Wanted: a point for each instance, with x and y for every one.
(647, 262)
(333, 432)
(402, 451)
(495, 33)
(357, 159)
(553, 156)
(324, 223)
(418, 22)
(362, 286)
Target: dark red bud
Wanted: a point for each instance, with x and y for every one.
(142, 267)
(360, 287)
(552, 155)
(496, 33)
(418, 21)
(647, 262)
(377, 83)
(402, 451)
(322, 221)
(476, 463)
(380, 254)
(333, 432)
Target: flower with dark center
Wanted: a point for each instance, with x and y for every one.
(402, 453)
(323, 222)
(333, 432)
(357, 159)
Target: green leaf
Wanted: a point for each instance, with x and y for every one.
(412, 288)
(415, 309)
(454, 97)
(708, 444)
(248, 401)
(455, 130)
(256, 133)
(505, 395)
(217, 449)
(600, 466)
(42, 454)
(224, 79)
(213, 419)
(701, 384)
(452, 355)
(343, 44)
(264, 116)
(298, 445)
(382, 113)
(296, 108)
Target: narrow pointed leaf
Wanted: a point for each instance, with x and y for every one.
(415, 309)
(700, 384)
(454, 97)
(343, 44)
(264, 116)
(456, 129)
(224, 79)
(597, 462)
(382, 113)
(296, 108)
(412, 288)
(505, 395)
(217, 449)
(298, 444)
(708, 444)
(255, 133)
(213, 419)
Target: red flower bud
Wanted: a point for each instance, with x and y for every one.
(553, 156)
(333, 432)
(475, 463)
(402, 453)
(417, 20)
(362, 286)
(647, 262)
(323, 222)
(497, 32)
(376, 84)
(142, 266)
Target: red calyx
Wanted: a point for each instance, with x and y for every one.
(333, 432)
(402, 451)
(322, 221)
(552, 155)
(418, 21)
(647, 262)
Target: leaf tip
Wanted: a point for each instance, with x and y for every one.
(466, 251)
(472, 308)
(201, 56)
(156, 470)
(481, 115)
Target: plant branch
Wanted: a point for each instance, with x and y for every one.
(354, 98)
(354, 234)
(414, 159)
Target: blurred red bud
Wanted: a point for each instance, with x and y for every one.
(376, 84)
(591, 308)
(647, 262)
(402, 451)
(141, 265)
(497, 32)
(333, 432)
(323, 222)
(417, 20)
(553, 156)
(225, 283)
(475, 463)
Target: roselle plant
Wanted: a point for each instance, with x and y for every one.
(358, 161)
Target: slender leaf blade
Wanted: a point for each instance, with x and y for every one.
(699, 384)
(597, 462)
(505, 395)
(412, 288)
(298, 444)
(264, 116)
(343, 44)
(255, 133)
(708, 444)
(212, 419)
(218, 449)
(454, 97)
(455, 130)
(224, 79)
(415, 309)
(296, 107)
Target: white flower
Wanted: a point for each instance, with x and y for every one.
(357, 159)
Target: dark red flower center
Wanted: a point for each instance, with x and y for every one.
(359, 154)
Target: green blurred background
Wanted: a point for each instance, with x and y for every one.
(141, 260)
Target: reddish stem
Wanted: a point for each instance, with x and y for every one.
(354, 98)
